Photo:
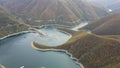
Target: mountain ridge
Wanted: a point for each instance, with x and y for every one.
(59, 11)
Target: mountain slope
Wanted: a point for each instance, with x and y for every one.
(91, 50)
(106, 26)
(9, 25)
(60, 11)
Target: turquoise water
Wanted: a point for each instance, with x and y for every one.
(16, 51)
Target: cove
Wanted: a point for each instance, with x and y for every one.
(16, 51)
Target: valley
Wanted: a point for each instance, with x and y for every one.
(59, 34)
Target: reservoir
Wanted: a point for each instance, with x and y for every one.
(17, 51)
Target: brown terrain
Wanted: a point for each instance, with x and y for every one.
(9, 24)
(94, 51)
(106, 26)
(58, 11)
(100, 49)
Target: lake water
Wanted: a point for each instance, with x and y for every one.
(16, 51)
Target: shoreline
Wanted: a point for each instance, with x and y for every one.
(14, 34)
(60, 50)
(56, 50)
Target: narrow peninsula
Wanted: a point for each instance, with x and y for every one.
(93, 51)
